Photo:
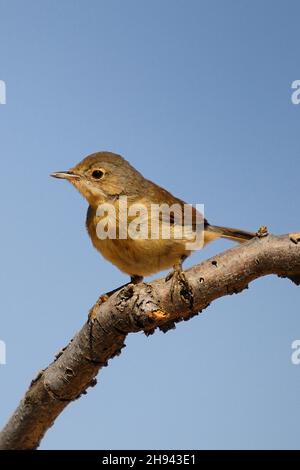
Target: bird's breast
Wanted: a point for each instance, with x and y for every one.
(135, 256)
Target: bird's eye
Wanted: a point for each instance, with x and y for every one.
(98, 174)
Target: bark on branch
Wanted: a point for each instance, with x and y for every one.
(143, 307)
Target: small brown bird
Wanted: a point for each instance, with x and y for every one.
(106, 178)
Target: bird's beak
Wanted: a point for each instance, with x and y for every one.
(66, 175)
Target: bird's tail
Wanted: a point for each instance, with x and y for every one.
(234, 234)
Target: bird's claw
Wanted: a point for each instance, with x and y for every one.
(262, 231)
(179, 282)
(295, 237)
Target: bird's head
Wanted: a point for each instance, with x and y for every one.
(103, 176)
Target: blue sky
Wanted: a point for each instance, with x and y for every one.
(197, 96)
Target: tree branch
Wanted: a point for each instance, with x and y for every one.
(143, 307)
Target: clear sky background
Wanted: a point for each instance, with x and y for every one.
(197, 96)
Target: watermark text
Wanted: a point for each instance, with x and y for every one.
(295, 356)
(295, 96)
(138, 221)
(2, 352)
(2, 92)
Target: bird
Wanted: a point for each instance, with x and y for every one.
(104, 179)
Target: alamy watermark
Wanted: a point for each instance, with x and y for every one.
(2, 352)
(295, 356)
(295, 96)
(138, 221)
(2, 92)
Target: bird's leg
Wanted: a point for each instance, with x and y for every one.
(133, 280)
(104, 297)
(180, 281)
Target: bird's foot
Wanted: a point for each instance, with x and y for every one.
(262, 231)
(104, 297)
(179, 282)
(295, 237)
